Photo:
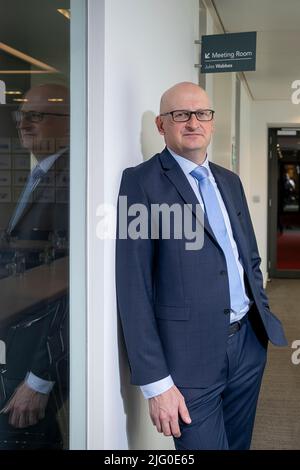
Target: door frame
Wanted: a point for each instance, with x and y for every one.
(78, 202)
(273, 272)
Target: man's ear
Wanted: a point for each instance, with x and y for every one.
(160, 125)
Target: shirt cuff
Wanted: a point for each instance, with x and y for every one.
(38, 384)
(156, 388)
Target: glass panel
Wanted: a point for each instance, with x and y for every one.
(34, 223)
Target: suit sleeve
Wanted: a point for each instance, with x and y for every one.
(135, 262)
(254, 254)
(52, 347)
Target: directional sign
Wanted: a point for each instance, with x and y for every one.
(233, 52)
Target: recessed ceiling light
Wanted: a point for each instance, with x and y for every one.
(66, 13)
(55, 100)
(20, 100)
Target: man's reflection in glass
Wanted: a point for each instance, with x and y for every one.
(34, 379)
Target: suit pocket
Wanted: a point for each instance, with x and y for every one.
(165, 312)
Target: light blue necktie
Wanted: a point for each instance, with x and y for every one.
(34, 179)
(217, 224)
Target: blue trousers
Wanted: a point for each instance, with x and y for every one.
(223, 414)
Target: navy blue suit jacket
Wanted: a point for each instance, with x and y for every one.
(174, 303)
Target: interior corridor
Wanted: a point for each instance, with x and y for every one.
(277, 423)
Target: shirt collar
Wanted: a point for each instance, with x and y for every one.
(47, 162)
(187, 165)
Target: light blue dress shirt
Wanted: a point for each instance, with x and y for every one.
(161, 386)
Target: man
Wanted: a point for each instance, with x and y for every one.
(37, 345)
(196, 322)
(43, 125)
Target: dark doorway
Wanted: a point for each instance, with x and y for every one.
(284, 203)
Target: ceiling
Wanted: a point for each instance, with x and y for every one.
(34, 28)
(277, 23)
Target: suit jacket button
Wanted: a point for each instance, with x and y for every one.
(223, 273)
(226, 311)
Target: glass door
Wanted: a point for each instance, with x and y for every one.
(34, 223)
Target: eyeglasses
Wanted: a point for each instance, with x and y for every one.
(183, 115)
(32, 116)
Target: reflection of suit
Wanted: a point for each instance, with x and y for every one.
(48, 207)
(39, 341)
(174, 304)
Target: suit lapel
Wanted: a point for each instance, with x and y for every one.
(36, 195)
(233, 213)
(30, 203)
(175, 174)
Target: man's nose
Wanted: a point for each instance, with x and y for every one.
(193, 122)
(24, 123)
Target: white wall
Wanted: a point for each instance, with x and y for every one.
(223, 105)
(245, 140)
(255, 118)
(95, 247)
(149, 46)
(220, 89)
(265, 114)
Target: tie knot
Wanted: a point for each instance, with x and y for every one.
(37, 173)
(200, 173)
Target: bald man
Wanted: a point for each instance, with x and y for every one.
(196, 319)
(37, 346)
(43, 126)
(48, 129)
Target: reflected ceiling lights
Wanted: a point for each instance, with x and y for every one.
(43, 68)
(13, 93)
(66, 13)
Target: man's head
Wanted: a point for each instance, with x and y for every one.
(191, 138)
(43, 120)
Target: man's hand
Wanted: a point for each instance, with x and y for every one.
(164, 410)
(26, 406)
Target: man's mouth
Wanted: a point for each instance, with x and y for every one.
(193, 134)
